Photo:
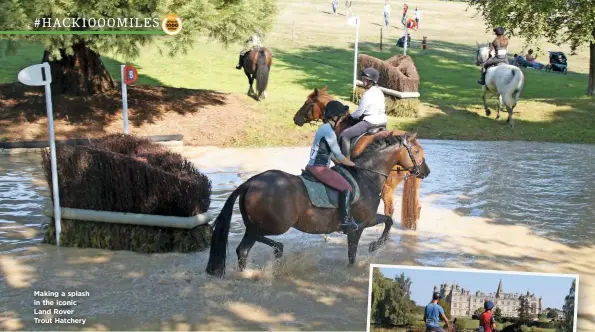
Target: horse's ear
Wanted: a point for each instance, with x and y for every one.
(412, 138)
(316, 91)
(324, 89)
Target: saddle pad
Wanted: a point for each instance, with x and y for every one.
(323, 196)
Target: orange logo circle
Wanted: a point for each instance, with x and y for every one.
(172, 24)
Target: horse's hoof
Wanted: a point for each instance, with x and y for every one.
(488, 112)
(497, 117)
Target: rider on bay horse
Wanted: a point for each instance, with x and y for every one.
(254, 42)
(498, 52)
(323, 149)
(371, 111)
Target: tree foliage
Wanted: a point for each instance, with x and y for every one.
(498, 314)
(227, 21)
(567, 324)
(478, 311)
(391, 300)
(524, 310)
(558, 21)
(446, 306)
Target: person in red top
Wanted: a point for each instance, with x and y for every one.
(486, 319)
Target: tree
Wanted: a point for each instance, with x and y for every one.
(557, 21)
(551, 314)
(479, 311)
(391, 302)
(75, 59)
(524, 313)
(567, 324)
(446, 306)
(498, 314)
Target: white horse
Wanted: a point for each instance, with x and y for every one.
(505, 80)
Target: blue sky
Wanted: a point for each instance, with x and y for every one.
(551, 289)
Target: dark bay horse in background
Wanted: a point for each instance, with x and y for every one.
(273, 202)
(257, 64)
(312, 111)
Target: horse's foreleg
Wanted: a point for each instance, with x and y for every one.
(277, 246)
(499, 107)
(352, 243)
(244, 248)
(388, 223)
(485, 103)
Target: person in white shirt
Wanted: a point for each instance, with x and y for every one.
(371, 111)
(417, 17)
(386, 13)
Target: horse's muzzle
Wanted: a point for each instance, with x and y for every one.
(299, 121)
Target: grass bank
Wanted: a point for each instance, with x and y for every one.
(318, 52)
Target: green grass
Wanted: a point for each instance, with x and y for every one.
(552, 108)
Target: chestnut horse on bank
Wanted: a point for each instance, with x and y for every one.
(273, 202)
(311, 111)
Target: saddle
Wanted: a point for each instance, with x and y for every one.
(323, 196)
(373, 130)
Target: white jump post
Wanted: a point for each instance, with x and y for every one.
(406, 39)
(129, 76)
(354, 21)
(38, 75)
(124, 99)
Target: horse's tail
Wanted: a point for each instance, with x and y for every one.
(262, 72)
(218, 254)
(514, 88)
(410, 203)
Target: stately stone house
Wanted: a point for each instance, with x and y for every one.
(463, 303)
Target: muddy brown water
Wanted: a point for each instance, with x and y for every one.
(493, 205)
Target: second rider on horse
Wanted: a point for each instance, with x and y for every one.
(498, 53)
(323, 149)
(254, 42)
(371, 111)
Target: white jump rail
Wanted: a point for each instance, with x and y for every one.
(394, 93)
(133, 218)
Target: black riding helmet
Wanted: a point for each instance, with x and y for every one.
(335, 108)
(372, 74)
(499, 31)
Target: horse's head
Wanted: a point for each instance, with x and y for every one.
(313, 108)
(482, 54)
(412, 156)
(397, 148)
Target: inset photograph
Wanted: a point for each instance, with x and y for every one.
(423, 299)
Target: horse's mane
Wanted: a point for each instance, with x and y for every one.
(321, 94)
(379, 143)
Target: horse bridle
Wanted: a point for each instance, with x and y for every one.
(413, 170)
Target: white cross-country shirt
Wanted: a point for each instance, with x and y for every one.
(418, 14)
(387, 9)
(372, 107)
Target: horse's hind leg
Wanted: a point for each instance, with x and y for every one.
(277, 246)
(499, 107)
(485, 103)
(509, 120)
(388, 223)
(244, 248)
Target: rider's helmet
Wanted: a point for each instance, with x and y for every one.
(334, 109)
(499, 31)
(372, 74)
(488, 305)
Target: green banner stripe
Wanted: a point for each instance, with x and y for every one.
(86, 32)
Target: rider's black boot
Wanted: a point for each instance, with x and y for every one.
(482, 81)
(347, 222)
(239, 66)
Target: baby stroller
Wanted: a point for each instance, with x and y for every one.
(557, 63)
(401, 41)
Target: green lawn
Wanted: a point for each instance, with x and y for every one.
(552, 107)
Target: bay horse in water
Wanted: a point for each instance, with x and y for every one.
(312, 111)
(257, 64)
(504, 80)
(273, 202)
